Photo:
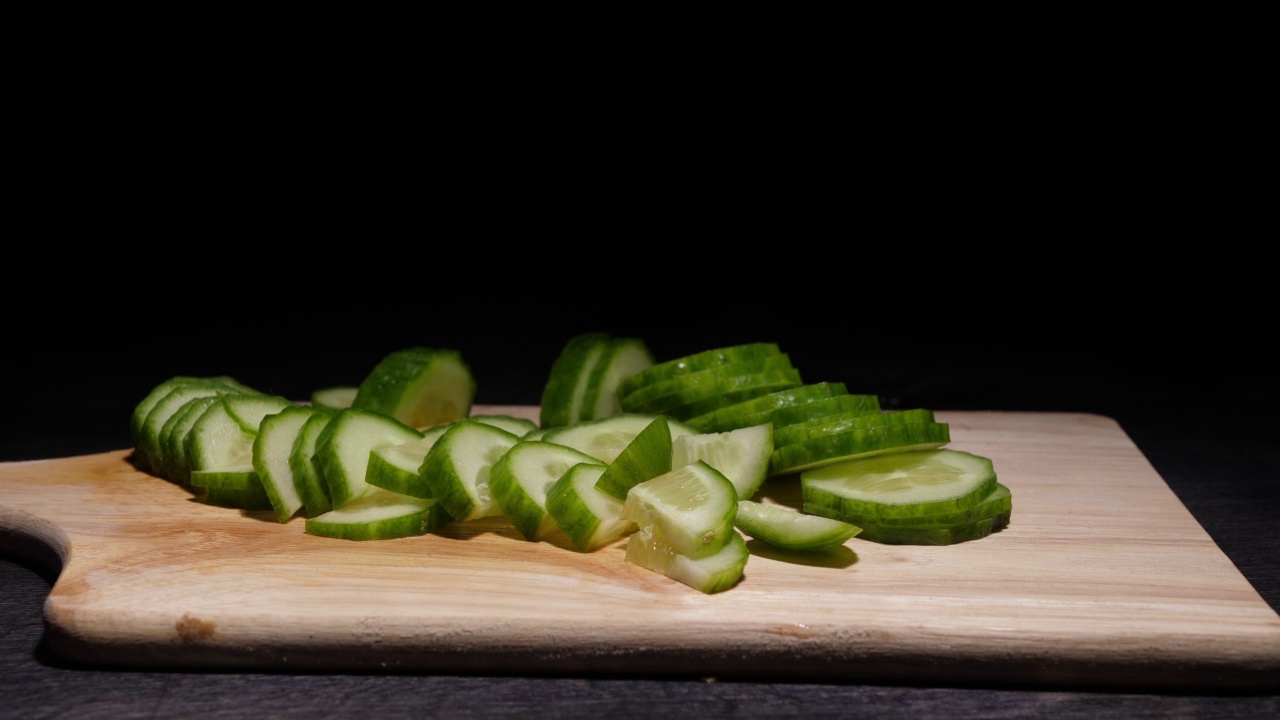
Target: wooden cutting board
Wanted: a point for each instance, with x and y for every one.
(1103, 578)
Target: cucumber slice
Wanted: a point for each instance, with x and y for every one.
(691, 509)
(398, 468)
(458, 466)
(249, 410)
(789, 529)
(379, 515)
(419, 387)
(827, 425)
(857, 443)
(521, 478)
(566, 387)
(306, 477)
(150, 447)
(647, 456)
(518, 426)
(591, 519)
(153, 397)
(742, 455)
(236, 477)
(695, 362)
(846, 404)
(339, 397)
(999, 501)
(900, 485)
(343, 448)
(272, 448)
(935, 534)
(764, 408)
(623, 358)
(217, 440)
(713, 573)
(733, 390)
(605, 438)
(253, 498)
(657, 397)
(173, 435)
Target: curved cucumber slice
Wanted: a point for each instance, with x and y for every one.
(746, 352)
(900, 485)
(605, 438)
(249, 410)
(857, 443)
(657, 397)
(173, 436)
(566, 387)
(935, 534)
(999, 501)
(742, 455)
(458, 467)
(343, 449)
(379, 515)
(623, 358)
(144, 407)
(764, 408)
(419, 386)
(691, 509)
(252, 498)
(306, 477)
(734, 390)
(521, 479)
(150, 448)
(845, 405)
(334, 398)
(786, 528)
(216, 440)
(238, 477)
(516, 425)
(271, 450)
(827, 425)
(713, 573)
(647, 456)
(588, 517)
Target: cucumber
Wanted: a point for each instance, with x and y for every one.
(306, 477)
(398, 468)
(173, 436)
(418, 386)
(657, 397)
(566, 386)
(710, 574)
(765, 408)
(899, 485)
(786, 528)
(521, 478)
(338, 397)
(144, 406)
(742, 455)
(733, 390)
(235, 477)
(843, 404)
(217, 440)
(149, 447)
(828, 425)
(998, 501)
(518, 426)
(379, 515)
(646, 456)
(272, 448)
(458, 466)
(605, 438)
(249, 410)
(253, 498)
(623, 358)
(343, 448)
(691, 509)
(936, 534)
(695, 362)
(588, 517)
(856, 443)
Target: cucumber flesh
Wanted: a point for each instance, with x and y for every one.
(343, 448)
(789, 529)
(623, 358)
(457, 468)
(398, 468)
(691, 508)
(419, 386)
(379, 515)
(521, 478)
(338, 397)
(742, 455)
(272, 447)
(646, 456)
(710, 574)
(605, 438)
(566, 385)
(900, 485)
(588, 517)
(857, 443)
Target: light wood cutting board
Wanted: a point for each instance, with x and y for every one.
(1103, 578)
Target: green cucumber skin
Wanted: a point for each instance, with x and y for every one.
(631, 468)
(949, 535)
(144, 406)
(253, 498)
(410, 525)
(216, 440)
(766, 408)
(817, 427)
(396, 384)
(149, 445)
(755, 519)
(272, 448)
(306, 477)
(846, 405)
(656, 398)
(173, 437)
(238, 479)
(737, 390)
(570, 493)
(999, 501)
(696, 362)
(522, 505)
(623, 358)
(343, 447)
(571, 368)
(856, 443)
(463, 497)
(338, 397)
(583, 435)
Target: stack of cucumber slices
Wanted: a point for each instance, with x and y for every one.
(669, 455)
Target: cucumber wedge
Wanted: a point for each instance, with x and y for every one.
(379, 515)
(647, 456)
(521, 479)
(742, 455)
(746, 352)
(857, 443)
(789, 529)
(457, 469)
(590, 518)
(899, 485)
(691, 509)
(710, 574)
(343, 448)
(419, 387)
(306, 478)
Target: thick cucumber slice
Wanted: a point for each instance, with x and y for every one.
(691, 509)
(647, 456)
(999, 501)
(605, 438)
(590, 518)
(458, 466)
(249, 410)
(306, 477)
(623, 358)
(339, 397)
(657, 397)
(900, 485)
(419, 386)
(828, 425)
(742, 455)
(935, 534)
(566, 388)
(521, 478)
(398, 468)
(343, 448)
(518, 426)
(764, 408)
(695, 362)
(713, 573)
(734, 390)
(379, 515)
(144, 406)
(857, 443)
(173, 436)
(272, 447)
(845, 404)
(217, 440)
(789, 529)
(236, 477)
(150, 447)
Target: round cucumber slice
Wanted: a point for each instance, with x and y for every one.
(238, 477)
(935, 534)
(691, 509)
(695, 362)
(379, 515)
(764, 408)
(647, 456)
(566, 388)
(899, 485)
(521, 479)
(590, 518)
(827, 425)
(712, 573)
(338, 397)
(789, 529)
(419, 386)
(457, 469)
(271, 449)
(742, 455)
(857, 443)
(605, 438)
(343, 448)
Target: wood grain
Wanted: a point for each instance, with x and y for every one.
(1103, 578)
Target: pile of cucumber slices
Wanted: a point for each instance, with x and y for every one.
(669, 455)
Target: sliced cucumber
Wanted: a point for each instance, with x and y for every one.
(253, 498)
(150, 447)
(173, 436)
(605, 438)
(789, 529)
(343, 448)
(935, 534)
(900, 485)
(765, 408)
(623, 358)
(217, 440)
(398, 468)
(419, 387)
(691, 509)
(742, 455)
(999, 501)
(659, 396)
(831, 424)
(153, 397)
(857, 443)
(844, 404)
(647, 456)
(306, 477)
(712, 573)
(566, 387)
(695, 362)
(249, 410)
(272, 447)
(518, 426)
(458, 466)
(338, 397)
(521, 478)
(590, 518)
(235, 477)
(379, 515)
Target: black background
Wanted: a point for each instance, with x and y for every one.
(1007, 209)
